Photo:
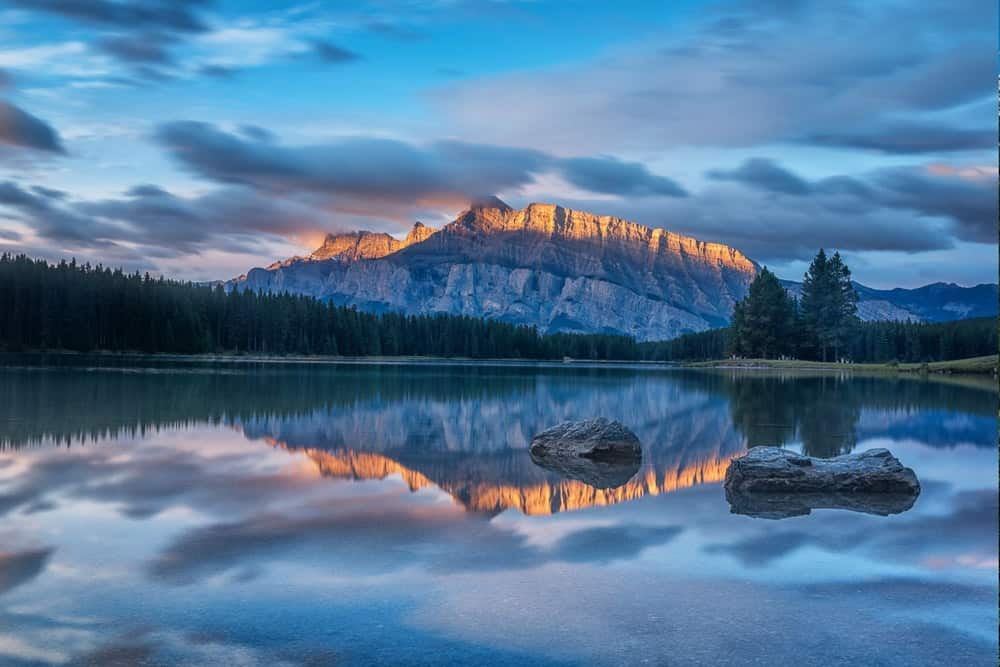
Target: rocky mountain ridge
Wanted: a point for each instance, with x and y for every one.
(563, 270)
(545, 265)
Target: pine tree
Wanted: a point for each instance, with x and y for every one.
(763, 322)
(829, 307)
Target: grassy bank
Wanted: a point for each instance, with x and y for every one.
(974, 365)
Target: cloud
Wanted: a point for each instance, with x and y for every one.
(156, 223)
(909, 208)
(763, 174)
(908, 138)
(968, 197)
(746, 75)
(218, 71)
(50, 220)
(392, 170)
(170, 15)
(332, 53)
(20, 128)
(612, 176)
(138, 33)
(145, 48)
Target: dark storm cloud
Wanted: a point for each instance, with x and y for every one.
(610, 176)
(763, 174)
(905, 138)
(169, 15)
(19, 567)
(390, 169)
(20, 128)
(331, 53)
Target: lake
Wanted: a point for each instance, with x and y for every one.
(354, 514)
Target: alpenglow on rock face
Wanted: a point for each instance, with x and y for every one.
(545, 265)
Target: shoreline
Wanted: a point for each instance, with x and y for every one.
(983, 366)
(986, 365)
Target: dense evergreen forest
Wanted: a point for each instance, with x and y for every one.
(872, 342)
(68, 306)
(76, 307)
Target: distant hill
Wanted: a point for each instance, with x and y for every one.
(937, 302)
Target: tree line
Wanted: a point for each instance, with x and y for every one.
(873, 342)
(78, 307)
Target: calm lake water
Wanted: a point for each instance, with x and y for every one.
(255, 514)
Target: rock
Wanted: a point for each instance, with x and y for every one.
(599, 452)
(774, 483)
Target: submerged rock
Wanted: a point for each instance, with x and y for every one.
(599, 452)
(774, 483)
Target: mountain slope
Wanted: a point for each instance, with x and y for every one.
(564, 271)
(547, 266)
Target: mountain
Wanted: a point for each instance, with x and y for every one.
(564, 271)
(547, 266)
(937, 302)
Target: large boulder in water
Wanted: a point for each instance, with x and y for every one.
(773, 482)
(599, 452)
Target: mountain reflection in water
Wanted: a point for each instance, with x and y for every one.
(466, 429)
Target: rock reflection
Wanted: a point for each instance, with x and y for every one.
(785, 505)
(592, 472)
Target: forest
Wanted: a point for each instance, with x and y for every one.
(82, 308)
(873, 342)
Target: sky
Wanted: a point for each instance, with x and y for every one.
(197, 139)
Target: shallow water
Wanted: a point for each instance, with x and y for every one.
(359, 514)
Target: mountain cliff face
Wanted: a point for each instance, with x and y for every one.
(368, 245)
(564, 270)
(545, 265)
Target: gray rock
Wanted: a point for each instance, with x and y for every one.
(599, 452)
(774, 481)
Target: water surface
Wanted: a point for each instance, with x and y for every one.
(354, 514)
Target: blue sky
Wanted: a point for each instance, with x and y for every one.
(198, 138)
